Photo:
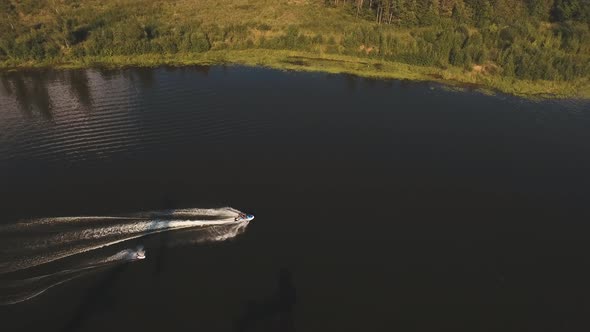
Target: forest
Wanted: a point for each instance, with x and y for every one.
(530, 40)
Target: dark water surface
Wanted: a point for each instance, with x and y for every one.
(380, 205)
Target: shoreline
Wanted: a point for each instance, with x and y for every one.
(328, 63)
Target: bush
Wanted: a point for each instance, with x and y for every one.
(318, 39)
(199, 42)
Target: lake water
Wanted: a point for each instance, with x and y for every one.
(380, 205)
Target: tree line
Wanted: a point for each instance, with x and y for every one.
(478, 12)
(528, 39)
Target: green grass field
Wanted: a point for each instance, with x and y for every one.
(305, 35)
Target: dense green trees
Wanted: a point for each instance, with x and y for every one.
(528, 39)
(478, 12)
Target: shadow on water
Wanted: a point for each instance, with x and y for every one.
(189, 71)
(96, 299)
(108, 74)
(6, 86)
(145, 76)
(274, 313)
(31, 92)
(202, 70)
(79, 85)
(351, 82)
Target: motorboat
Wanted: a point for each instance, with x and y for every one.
(244, 217)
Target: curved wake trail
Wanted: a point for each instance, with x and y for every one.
(12, 292)
(40, 241)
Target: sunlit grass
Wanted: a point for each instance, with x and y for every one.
(237, 29)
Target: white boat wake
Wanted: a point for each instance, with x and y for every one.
(35, 242)
(32, 243)
(16, 291)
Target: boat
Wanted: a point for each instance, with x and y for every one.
(244, 217)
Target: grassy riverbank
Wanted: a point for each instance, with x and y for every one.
(312, 35)
(329, 63)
